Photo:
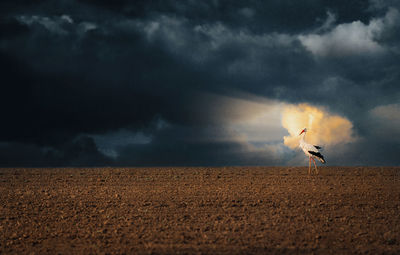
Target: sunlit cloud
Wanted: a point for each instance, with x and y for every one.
(323, 127)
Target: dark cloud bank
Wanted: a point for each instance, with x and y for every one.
(119, 83)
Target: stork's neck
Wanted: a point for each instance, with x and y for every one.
(302, 137)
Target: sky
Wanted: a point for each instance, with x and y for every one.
(198, 83)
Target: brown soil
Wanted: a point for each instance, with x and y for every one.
(231, 210)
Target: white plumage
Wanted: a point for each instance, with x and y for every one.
(312, 151)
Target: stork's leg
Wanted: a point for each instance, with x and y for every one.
(309, 165)
(316, 169)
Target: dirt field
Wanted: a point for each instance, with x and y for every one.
(232, 210)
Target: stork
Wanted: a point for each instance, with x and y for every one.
(312, 151)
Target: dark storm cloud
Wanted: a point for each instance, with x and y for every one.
(82, 151)
(11, 27)
(176, 146)
(75, 68)
(103, 84)
(260, 16)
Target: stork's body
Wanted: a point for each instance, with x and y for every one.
(312, 151)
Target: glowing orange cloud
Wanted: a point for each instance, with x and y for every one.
(323, 128)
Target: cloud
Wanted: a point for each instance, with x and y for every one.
(256, 120)
(85, 26)
(348, 39)
(208, 42)
(353, 38)
(323, 128)
(247, 12)
(385, 122)
(383, 4)
(59, 25)
(106, 67)
(183, 146)
(330, 20)
(240, 130)
(54, 25)
(81, 151)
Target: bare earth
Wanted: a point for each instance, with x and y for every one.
(231, 210)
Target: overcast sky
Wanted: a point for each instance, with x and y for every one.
(149, 83)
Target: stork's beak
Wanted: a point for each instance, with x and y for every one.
(302, 131)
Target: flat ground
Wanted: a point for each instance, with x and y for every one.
(229, 210)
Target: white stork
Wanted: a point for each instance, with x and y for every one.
(312, 151)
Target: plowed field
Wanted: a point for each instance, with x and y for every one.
(228, 210)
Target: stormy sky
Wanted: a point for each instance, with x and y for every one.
(187, 83)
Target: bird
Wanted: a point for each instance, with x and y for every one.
(312, 151)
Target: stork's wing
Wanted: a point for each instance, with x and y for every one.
(317, 147)
(318, 156)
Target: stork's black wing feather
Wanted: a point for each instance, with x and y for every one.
(318, 155)
(317, 147)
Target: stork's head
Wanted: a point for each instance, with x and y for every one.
(303, 131)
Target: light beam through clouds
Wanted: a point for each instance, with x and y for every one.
(254, 119)
(269, 126)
